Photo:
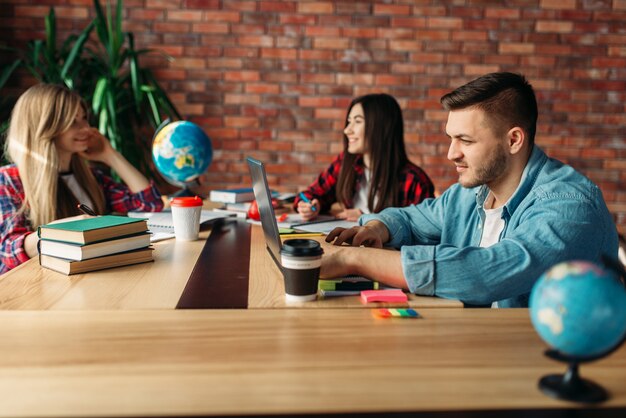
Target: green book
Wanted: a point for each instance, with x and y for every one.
(98, 228)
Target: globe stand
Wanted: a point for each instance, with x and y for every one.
(570, 386)
(186, 190)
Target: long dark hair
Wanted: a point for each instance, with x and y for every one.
(384, 141)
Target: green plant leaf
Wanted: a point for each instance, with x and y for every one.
(51, 34)
(98, 94)
(76, 50)
(7, 71)
(101, 25)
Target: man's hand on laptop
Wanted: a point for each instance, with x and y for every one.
(373, 234)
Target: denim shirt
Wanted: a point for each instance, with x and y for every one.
(555, 214)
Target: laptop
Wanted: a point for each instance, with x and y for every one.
(263, 198)
(268, 217)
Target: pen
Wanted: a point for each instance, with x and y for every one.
(306, 199)
(86, 209)
(297, 235)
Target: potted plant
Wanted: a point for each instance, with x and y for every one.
(126, 101)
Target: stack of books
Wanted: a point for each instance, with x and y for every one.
(94, 244)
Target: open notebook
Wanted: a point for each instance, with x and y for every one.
(162, 226)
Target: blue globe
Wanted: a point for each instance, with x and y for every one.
(579, 309)
(181, 151)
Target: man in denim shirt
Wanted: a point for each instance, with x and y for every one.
(513, 214)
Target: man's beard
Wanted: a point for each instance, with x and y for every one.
(489, 170)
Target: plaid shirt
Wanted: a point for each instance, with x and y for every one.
(15, 227)
(415, 185)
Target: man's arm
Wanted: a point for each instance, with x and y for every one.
(383, 266)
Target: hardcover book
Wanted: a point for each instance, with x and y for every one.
(68, 267)
(73, 251)
(99, 228)
(232, 195)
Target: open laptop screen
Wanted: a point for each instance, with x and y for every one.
(263, 197)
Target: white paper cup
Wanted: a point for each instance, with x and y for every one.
(301, 260)
(186, 217)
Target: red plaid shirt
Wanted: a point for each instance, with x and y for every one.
(415, 185)
(15, 227)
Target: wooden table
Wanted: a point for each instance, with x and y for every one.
(267, 290)
(233, 270)
(452, 362)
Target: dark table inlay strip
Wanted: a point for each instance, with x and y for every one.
(219, 279)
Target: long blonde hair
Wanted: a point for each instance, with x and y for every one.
(41, 114)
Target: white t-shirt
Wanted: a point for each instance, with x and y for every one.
(492, 228)
(79, 192)
(362, 192)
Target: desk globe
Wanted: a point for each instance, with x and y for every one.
(181, 151)
(579, 309)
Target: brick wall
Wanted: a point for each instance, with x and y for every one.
(272, 79)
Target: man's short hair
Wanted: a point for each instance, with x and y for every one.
(507, 99)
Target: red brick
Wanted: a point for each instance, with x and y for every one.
(405, 45)
(222, 16)
(275, 146)
(146, 14)
(321, 31)
(184, 15)
(31, 11)
(352, 79)
(502, 13)
(396, 33)
(315, 101)
(444, 22)
(318, 78)
(317, 7)
(392, 9)
(552, 26)
(478, 70)
(313, 54)
(277, 6)
(262, 88)
(161, 4)
(331, 43)
(298, 19)
(242, 76)
(210, 28)
(409, 22)
(172, 27)
(244, 6)
(71, 12)
(411, 68)
(282, 53)
(330, 113)
(557, 4)
(391, 80)
(359, 32)
(201, 4)
(603, 62)
(255, 40)
(516, 48)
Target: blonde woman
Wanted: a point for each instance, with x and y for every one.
(49, 141)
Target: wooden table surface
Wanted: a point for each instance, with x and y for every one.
(162, 283)
(267, 290)
(155, 285)
(281, 361)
